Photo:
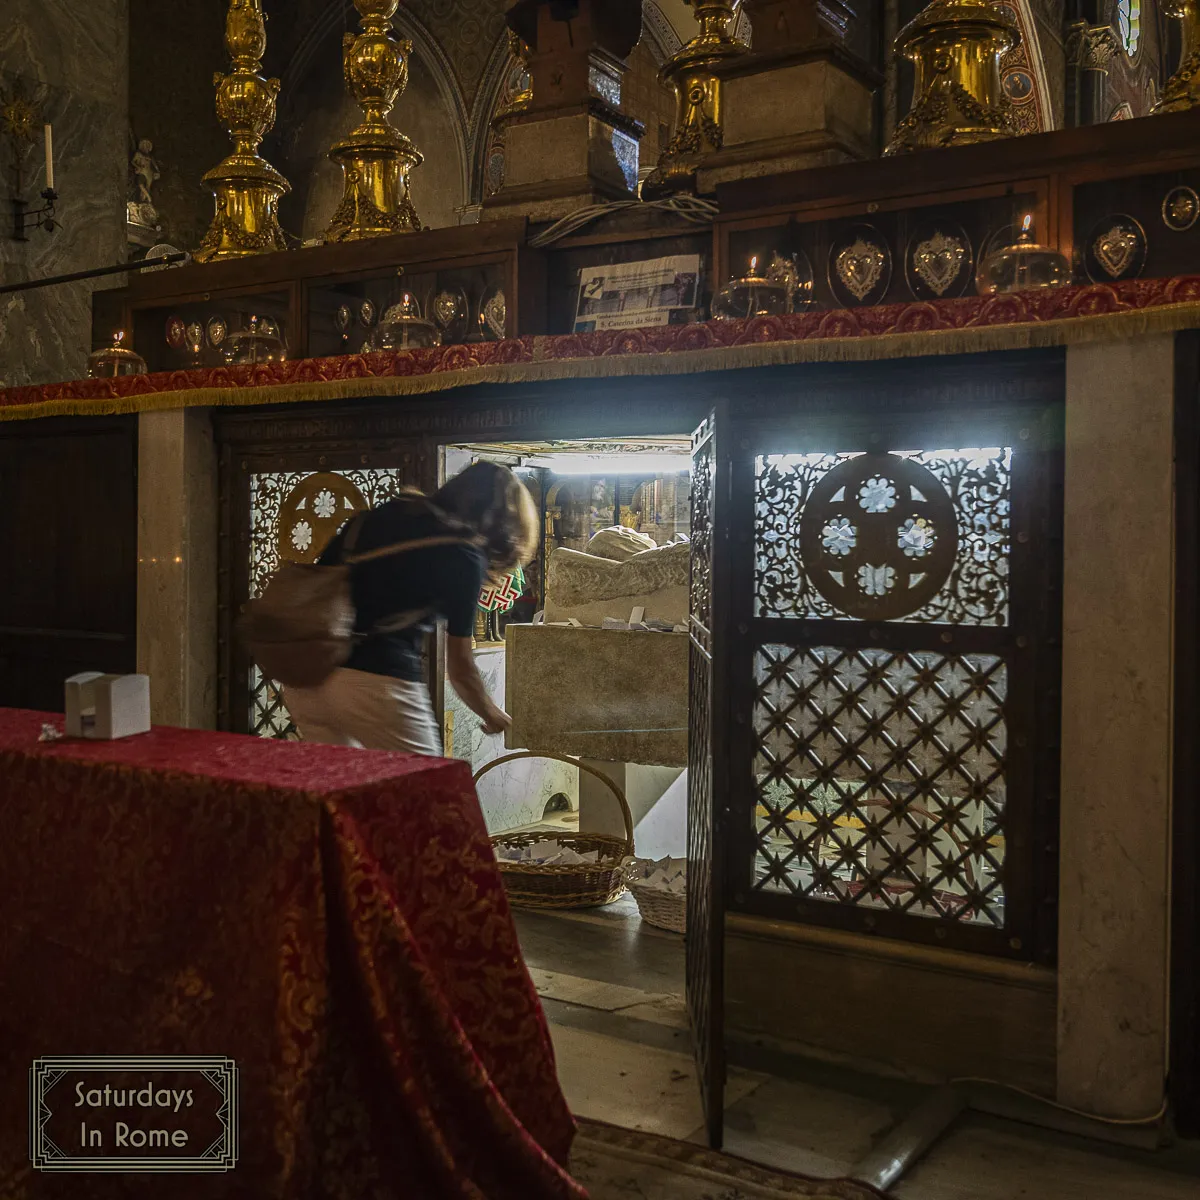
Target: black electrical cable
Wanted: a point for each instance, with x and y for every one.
(166, 260)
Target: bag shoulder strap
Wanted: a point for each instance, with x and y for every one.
(351, 538)
(352, 560)
(354, 530)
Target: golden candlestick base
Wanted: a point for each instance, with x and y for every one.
(699, 123)
(246, 187)
(956, 46)
(1182, 90)
(376, 158)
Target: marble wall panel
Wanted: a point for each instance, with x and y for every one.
(1114, 890)
(71, 59)
(177, 566)
(517, 793)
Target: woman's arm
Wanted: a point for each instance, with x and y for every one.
(468, 683)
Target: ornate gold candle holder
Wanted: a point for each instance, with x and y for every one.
(772, 293)
(1182, 90)
(699, 89)
(376, 158)
(955, 47)
(1023, 266)
(403, 327)
(115, 361)
(246, 187)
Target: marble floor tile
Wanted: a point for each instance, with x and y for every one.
(795, 1126)
(985, 1159)
(607, 948)
(613, 992)
(634, 1085)
(592, 993)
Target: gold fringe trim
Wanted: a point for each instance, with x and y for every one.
(1068, 331)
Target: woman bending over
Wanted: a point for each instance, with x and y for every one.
(413, 561)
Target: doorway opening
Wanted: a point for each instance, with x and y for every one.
(587, 650)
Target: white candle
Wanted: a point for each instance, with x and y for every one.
(49, 158)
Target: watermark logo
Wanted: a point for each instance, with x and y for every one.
(133, 1114)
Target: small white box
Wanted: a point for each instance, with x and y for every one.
(81, 702)
(107, 707)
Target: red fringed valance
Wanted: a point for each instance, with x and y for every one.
(969, 325)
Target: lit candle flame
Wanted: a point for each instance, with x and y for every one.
(754, 264)
(1025, 224)
(118, 337)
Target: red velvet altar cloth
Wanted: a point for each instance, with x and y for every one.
(817, 335)
(332, 919)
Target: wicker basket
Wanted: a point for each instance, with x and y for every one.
(556, 885)
(663, 910)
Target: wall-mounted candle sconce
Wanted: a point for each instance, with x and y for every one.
(19, 120)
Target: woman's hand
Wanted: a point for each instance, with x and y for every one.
(465, 679)
(498, 721)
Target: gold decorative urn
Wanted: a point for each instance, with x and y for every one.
(376, 158)
(246, 187)
(1182, 90)
(699, 127)
(955, 47)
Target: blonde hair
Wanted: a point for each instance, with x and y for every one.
(495, 504)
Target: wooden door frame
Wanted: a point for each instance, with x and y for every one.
(710, 595)
(1184, 1067)
(371, 432)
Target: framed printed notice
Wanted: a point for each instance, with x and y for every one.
(659, 291)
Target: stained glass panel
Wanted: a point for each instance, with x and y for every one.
(907, 536)
(880, 779)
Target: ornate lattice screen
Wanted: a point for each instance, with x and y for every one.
(293, 517)
(880, 779)
(908, 537)
(880, 688)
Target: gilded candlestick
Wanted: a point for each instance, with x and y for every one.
(376, 158)
(246, 187)
(699, 124)
(1182, 90)
(955, 47)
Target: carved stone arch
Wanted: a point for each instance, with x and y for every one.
(659, 33)
(743, 30)
(664, 39)
(483, 139)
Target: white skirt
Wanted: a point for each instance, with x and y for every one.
(376, 712)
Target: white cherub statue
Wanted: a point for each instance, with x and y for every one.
(145, 171)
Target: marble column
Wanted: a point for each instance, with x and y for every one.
(71, 60)
(1116, 732)
(177, 566)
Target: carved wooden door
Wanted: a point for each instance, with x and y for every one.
(707, 797)
(894, 674)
